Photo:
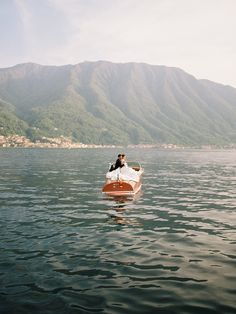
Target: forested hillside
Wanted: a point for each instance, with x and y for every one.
(109, 103)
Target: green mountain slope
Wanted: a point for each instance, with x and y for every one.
(103, 102)
(9, 122)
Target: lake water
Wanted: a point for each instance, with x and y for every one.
(65, 248)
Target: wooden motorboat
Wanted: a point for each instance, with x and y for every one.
(124, 181)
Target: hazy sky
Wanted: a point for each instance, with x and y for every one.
(195, 35)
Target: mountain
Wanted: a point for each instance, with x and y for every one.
(110, 103)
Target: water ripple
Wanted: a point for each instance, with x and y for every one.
(65, 248)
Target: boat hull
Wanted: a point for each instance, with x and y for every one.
(124, 182)
(121, 187)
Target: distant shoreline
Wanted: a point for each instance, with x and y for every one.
(20, 141)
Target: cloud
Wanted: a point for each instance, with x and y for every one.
(149, 26)
(196, 36)
(25, 14)
(26, 22)
(44, 29)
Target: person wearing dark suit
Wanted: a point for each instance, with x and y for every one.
(118, 164)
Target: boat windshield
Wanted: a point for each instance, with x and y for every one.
(134, 164)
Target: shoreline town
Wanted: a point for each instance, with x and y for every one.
(20, 141)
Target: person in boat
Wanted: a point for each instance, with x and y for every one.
(123, 161)
(121, 171)
(119, 163)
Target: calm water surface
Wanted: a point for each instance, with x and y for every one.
(65, 248)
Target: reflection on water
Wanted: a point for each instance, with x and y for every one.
(66, 248)
(119, 206)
